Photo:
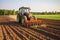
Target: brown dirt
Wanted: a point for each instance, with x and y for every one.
(10, 29)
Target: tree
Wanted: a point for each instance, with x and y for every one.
(13, 12)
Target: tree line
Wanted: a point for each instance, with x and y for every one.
(13, 12)
(8, 12)
(46, 13)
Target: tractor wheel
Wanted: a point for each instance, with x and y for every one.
(24, 19)
(34, 18)
(18, 19)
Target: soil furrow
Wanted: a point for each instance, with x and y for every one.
(19, 33)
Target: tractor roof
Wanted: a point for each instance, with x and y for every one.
(24, 8)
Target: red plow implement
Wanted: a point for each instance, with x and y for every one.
(34, 23)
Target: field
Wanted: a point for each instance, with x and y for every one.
(53, 17)
(10, 29)
(50, 17)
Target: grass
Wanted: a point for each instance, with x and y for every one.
(53, 17)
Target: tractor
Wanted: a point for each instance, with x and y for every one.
(26, 18)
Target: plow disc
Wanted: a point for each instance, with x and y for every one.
(34, 23)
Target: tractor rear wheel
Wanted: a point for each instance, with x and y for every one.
(18, 19)
(34, 17)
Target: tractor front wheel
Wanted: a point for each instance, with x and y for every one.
(24, 19)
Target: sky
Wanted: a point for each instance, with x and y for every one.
(35, 5)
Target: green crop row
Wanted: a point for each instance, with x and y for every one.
(53, 17)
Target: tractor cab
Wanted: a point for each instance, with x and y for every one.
(23, 10)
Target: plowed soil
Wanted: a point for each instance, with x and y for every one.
(10, 29)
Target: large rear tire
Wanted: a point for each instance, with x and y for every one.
(34, 17)
(18, 19)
